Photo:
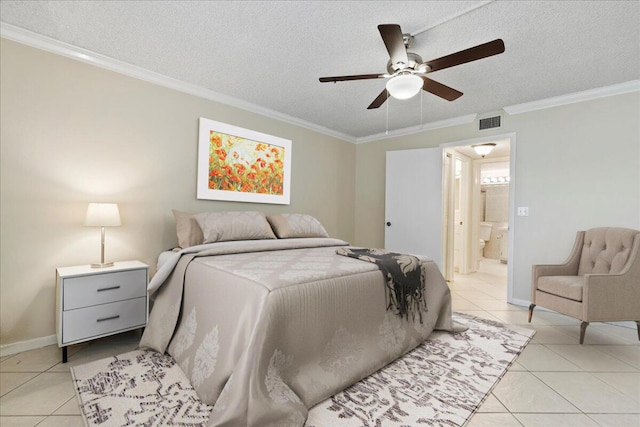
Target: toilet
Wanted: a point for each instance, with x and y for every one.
(485, 235)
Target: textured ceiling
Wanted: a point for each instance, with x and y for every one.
(271, 54)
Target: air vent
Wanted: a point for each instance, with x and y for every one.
(489, 123)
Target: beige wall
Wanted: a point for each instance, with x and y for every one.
(72, 133)
(577, 167)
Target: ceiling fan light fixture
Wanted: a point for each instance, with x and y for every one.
(404, 86)
(422, 68)
(483, 149)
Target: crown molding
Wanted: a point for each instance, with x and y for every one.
(461, 120)
(29, 38)
(20, 35)
(602, 92)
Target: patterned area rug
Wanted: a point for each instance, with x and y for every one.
(440, 383)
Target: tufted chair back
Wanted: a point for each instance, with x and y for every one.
(605, 250)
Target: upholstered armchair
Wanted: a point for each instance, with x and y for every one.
(599, 282)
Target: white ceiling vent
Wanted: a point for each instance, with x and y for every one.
(489, 122)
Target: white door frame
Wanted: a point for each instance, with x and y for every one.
(465, 207)
(448, 214)
(448, 168)
(512, 200)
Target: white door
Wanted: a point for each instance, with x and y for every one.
(413, 203)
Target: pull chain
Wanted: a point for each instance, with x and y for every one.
(387, 130)
(421, 109)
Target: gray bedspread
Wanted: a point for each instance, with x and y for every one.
(265, 330)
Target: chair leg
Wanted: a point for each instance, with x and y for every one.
(531, 313)
(638, 325)
(583, 329)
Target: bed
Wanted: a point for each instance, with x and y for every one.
(267, 328)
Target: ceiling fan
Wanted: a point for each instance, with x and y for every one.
(408, 73)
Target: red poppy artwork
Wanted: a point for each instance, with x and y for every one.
(242, 165)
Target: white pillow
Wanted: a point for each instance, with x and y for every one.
(225, 226)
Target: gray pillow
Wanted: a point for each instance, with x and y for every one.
(287, 226)
(225, 226)
(188, 230)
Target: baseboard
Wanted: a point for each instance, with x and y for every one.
(526, 303)
(19, 347)
(520, 302)
(630, 324)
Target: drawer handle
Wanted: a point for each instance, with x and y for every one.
(109, 288)
(117, 316)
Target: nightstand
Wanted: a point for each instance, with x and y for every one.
(97, 302)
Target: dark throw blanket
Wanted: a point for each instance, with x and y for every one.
(404, 276)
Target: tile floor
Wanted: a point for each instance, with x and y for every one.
(554, 382)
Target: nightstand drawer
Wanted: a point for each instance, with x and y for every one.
(102, 319)
(85, 291)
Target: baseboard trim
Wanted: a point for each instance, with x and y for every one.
(627, 324)
(520, 302)
(525, 303)
(19, 347)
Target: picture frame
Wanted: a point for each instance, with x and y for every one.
(242, 165)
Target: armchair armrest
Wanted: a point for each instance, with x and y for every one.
(568, 268)
(611, 297)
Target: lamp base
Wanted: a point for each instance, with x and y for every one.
(102, 265)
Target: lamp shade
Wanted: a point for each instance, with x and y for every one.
(483, 149)
(102, 215)
(404, 86)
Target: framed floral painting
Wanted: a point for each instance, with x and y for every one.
(242, 165)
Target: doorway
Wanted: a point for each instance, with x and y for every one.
(457, 209)
(478, 209)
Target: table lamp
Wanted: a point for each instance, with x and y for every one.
(102, 215)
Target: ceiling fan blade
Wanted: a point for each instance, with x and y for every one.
(472, 54)
(379, 100)
(438, 89)
(354, 77)
(392, 37)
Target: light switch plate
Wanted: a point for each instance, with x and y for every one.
(523, 211)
